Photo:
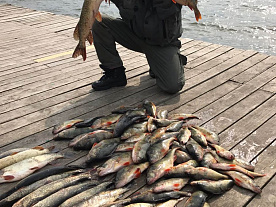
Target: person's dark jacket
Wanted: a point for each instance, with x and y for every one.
(158, 22)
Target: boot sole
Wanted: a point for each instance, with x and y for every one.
(108, 87)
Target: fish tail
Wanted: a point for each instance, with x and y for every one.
(197, 14)
(80, 50)
(76, 32)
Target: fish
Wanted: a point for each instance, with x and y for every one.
(65, 125)
(115, 163)
(170, 203)
(197, 199)
(168, 135)
(162, 114)
(199, 173)
(184, 135)
(244, 181)
(12, 159)
(25, 190)
(150, 108)
(182, 157)
(85, 195)
(236, 161)
(123, 109)
(87, 123)
(86, 141)
(137, 137)
(180, 170)
(125, 147)
(195, 149)
(12, 152)
(163, 122)
(156, 135)
(105, 121)
(151, 197)
(127, 174)
(139, 152)
(181, 147)
(192, 4)
(229, 167)
(161, 167)
(63, 194)
(26, 167)
(103, 198)
(214, 187)
(158, 150)
(223, 152)
(72, 133)
(135, 130)
(210, 136)
(175, 126)
(169, 184)
(102, 149)
(49, 189)
(82, 32)
(127, 120)
(140, 205)
(207, 160)
(182, 116)
(151, 126)
(198, 136)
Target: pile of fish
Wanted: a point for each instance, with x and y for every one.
(170, 152)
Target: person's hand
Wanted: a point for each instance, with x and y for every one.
(162, 3)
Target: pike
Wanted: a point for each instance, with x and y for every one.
(170, 185)
(214, 187)
(230, 167)
(25, 190)
(63, 194)
(85, 195)
(103, 198)
(49, 189)
(26, 167)
(89, 12)
(192, 4)
(244, 181)
(161, 167)
(127, 174)
(65, 125)
(12, 159)
(115, 163)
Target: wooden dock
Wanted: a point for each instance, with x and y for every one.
(231, 90)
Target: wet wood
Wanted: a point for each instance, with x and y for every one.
(231, 90)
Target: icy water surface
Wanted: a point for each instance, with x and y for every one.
(245, 24)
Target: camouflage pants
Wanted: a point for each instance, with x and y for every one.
(166, 62)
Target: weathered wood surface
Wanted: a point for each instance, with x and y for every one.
(231, 90)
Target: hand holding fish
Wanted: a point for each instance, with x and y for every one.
(192, 4)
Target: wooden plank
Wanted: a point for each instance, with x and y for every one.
(265, 163)
(268, 196)
(256, 70)
(270, 86)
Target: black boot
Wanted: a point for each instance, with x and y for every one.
(111, 78)
(151, 73)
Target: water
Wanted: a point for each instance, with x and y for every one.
(247, 24)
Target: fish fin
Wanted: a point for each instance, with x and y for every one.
(137, 173)
(197, 15)
(8, 177)
(76, 32)
(34, 168)
(13, 153)
(38, 148)
(80, 51)
(94, 144)
(90, 38)
(51, 148)
(98, 16)
(190, 7)
(174, 1)
(168, 170)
